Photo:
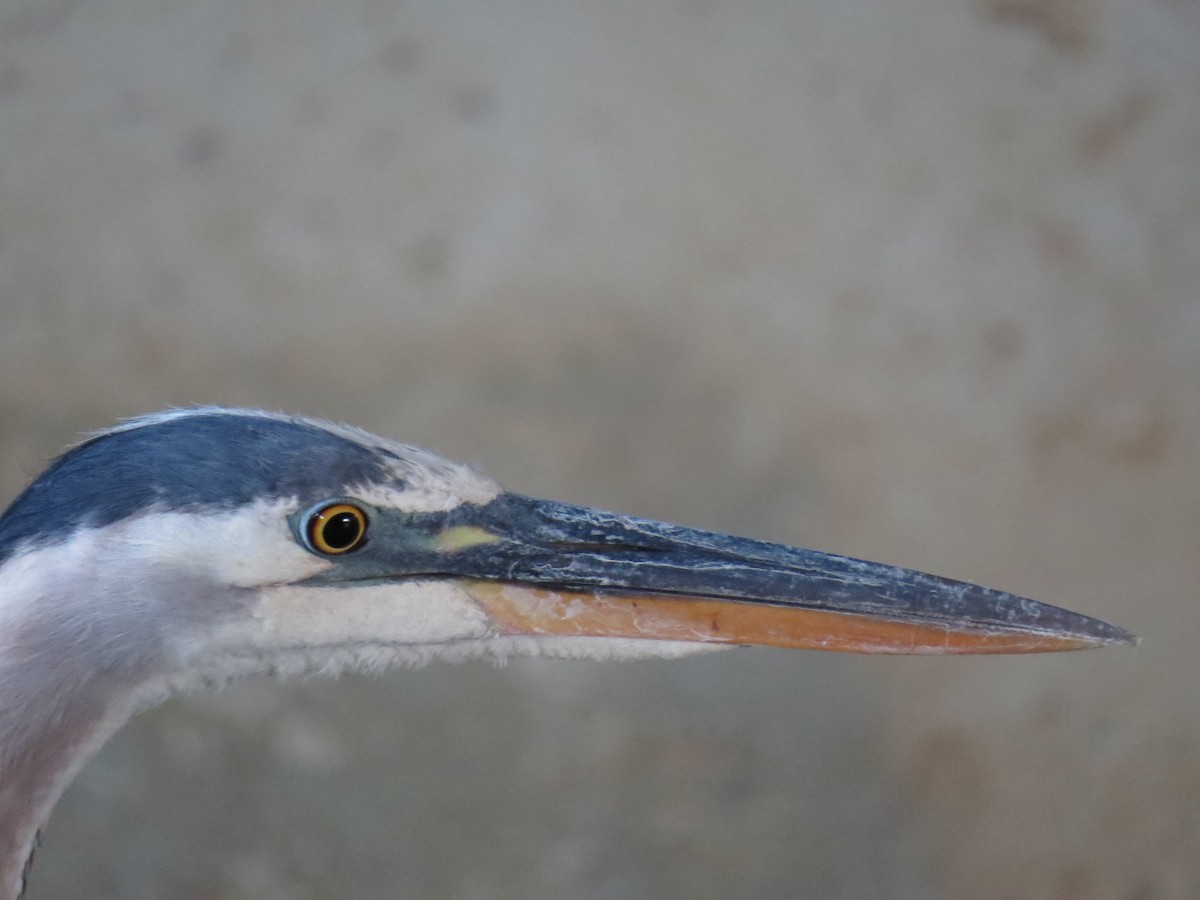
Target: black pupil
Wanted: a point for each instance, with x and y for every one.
(341, 530)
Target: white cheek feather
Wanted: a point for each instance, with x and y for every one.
(414, 612)
(246, 547)
(294, 631)
(29, 576)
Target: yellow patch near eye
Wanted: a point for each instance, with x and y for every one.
(462, 536)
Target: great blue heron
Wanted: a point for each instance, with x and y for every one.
(182, 550)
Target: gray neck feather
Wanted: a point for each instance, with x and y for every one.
(79, 654)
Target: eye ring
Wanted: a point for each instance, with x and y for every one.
(336, 528)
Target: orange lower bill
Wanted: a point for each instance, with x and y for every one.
(518, 609)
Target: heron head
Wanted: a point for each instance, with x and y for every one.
(221, 542)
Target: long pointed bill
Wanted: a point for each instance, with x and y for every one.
(545, 568)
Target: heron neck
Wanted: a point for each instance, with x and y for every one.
(64, 690)
(52, 721)
(43, 750)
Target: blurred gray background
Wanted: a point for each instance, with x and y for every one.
(913, 281)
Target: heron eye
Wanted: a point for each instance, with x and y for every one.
(337, 528)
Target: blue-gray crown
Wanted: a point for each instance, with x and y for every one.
(207, 459)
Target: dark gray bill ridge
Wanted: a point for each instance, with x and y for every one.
(579, 547)
(558, 545)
